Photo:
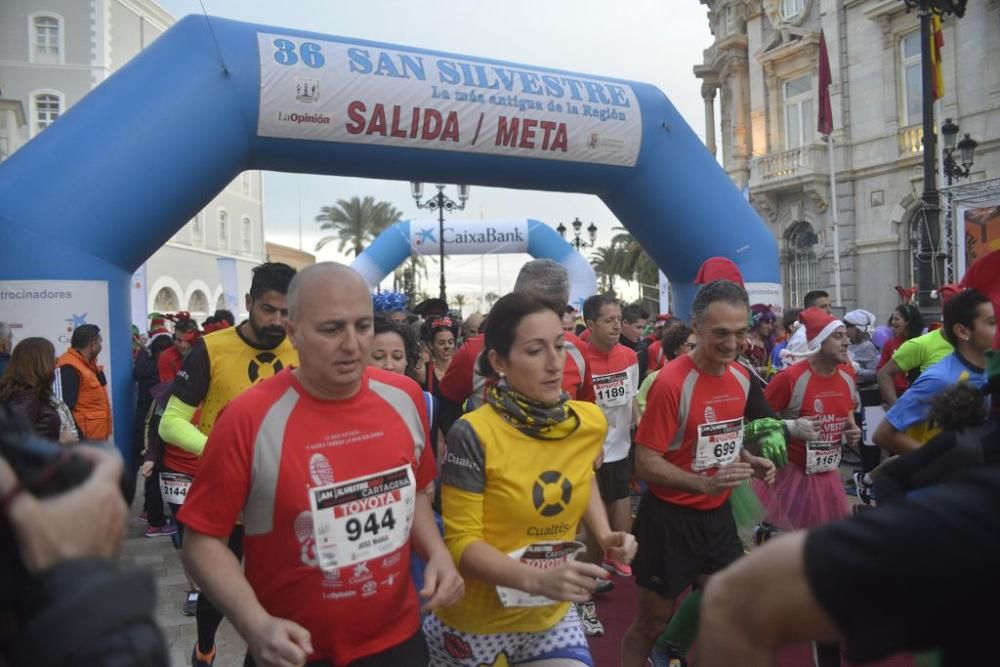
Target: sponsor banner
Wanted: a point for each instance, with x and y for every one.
(978, 233)
(469, 237)
(327, 90)
(54, 308)
(767, 293)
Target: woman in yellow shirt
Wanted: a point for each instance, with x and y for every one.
(517, 479)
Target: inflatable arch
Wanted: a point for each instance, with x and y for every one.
(95, 194)
(394, 245)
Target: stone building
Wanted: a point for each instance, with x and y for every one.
(763, 70)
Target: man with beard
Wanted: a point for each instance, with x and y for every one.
(221, 366)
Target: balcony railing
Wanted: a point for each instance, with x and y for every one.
(776, 168)
(911, 140)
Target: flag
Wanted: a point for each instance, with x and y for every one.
(937, 41)
(824, 122)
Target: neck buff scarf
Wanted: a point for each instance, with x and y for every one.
(545, 422)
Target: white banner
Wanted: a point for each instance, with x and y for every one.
(769, 294)
(469, 237)
(334, 91)
(664, 293)
(54, 308)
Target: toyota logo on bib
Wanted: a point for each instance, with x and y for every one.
(551, 493)
(263, 366)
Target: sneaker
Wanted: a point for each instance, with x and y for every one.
(198, 659)
(614, 567)
(190, 603)
(604, 586)
(166, 530)
(763, 532)
(667, 657)
(592, 627)
(864, 491)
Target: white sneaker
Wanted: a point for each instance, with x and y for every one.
(587, 611)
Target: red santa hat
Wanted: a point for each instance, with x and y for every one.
(819, 325)
(718, 268)
(158, 326)
(982, 276)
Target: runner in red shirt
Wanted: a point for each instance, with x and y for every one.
(545, 280)
(808, 491)
(326, 464)
(689, 450)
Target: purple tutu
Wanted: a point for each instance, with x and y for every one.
(798, 500)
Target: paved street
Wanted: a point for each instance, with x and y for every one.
(158, 554)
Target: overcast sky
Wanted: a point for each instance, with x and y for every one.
(653, 41)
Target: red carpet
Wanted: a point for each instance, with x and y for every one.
(617, 609)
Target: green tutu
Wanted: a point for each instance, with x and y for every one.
(748, 511)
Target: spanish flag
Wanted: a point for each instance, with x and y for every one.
(937, 41)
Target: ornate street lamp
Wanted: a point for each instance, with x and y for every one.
(956, 7)
(577, 241)
(440, 203)
(966, 150)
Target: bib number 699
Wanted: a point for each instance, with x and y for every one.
(724, 449)
(372, 525)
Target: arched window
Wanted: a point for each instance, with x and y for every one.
(246, 235)
(223, 230)
(166, 301)
(801, 270)
(46, 106)
(47, 39)
(791, 9)
(198, 303)
(220, 303)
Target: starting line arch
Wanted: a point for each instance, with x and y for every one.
(95, 194)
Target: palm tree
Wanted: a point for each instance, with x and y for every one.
(491, 298)
(636, 264)
(460, 300)
(607, 263)
(355, 222)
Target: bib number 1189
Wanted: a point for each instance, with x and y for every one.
(372, 525)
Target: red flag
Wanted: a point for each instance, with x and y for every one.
(824, 121)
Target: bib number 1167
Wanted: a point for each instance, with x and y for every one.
(372, 525)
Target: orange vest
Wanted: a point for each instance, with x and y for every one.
(92, 410)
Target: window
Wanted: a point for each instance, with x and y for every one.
(47, 107)
(246, 237)
(799, 121)
(223, 230)
(166, 301)
(791, 9)
(198, 303)
(912, 78)
(197, 235)
(245, 183)
(802, 273)
(46, 39)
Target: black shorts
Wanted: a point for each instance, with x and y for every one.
(413, 651)
(678, 544)
(613, 479)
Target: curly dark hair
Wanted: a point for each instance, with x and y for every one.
(674, 339)
(411, 342)
(958, 407)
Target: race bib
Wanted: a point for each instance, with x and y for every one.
(174, 487)
(719, 444)
(363, 518)
(612, 390)
(544, 556)
(822, 456)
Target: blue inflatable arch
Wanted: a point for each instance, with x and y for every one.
(99, 191)
(393, 246)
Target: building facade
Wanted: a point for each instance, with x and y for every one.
(54, 52)
(763, 69)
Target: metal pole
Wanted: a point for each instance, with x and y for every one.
(440, 196)
(931, 232)
(836, 224)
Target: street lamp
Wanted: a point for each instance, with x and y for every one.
(956, 7)
(578, 242)
(440, 203)
(966, 150)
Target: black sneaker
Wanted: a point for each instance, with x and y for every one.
(763, 532)
(191, 603)
(604, 586)
(864, 491)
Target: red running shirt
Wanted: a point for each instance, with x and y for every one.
(271, 446)
(682, 399)
(799, 391)
(462, 381)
